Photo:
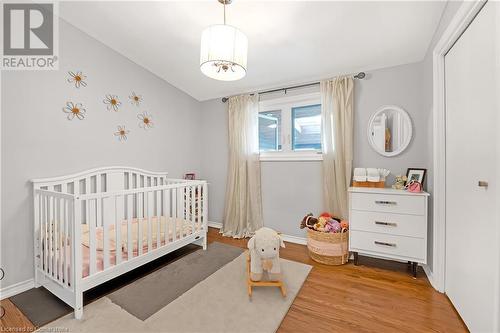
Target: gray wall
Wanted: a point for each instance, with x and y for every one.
(38, 141)
(292, 189)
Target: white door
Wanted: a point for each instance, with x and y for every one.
(472, 156)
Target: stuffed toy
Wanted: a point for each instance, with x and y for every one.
(327, 215)
(329, 226)
(400, 182)
(321, 224)
(344, 224)
(264, 249)
(308, 221)
(334, 226)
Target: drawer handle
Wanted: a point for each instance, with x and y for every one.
(381, 202)
(385, 244)
(389, 224)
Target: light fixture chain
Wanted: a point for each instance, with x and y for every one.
(224, 13)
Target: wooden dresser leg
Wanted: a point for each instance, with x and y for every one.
(355, 258)
(414, 267)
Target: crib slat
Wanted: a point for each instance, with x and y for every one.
(166, 213)
(198, 207)
(51, 236)
(204, 210)
(185, 210)
(118, 228)
(193, 208)
(140, 221)
(181, 210)
(74, 208)
(174, 214)
(91, 220)
(56, 237)
(45, 232)
(130, 208)
(66, 237)
(105, 229)
(185, 222)
(59, 237)
(76, 260)
(39, 225)
(158, 218)
(149, 215)
(60, 241)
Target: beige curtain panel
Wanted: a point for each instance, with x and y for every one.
(337, 142)
(243, 206)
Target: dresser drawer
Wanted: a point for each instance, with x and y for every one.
(389, 223)
(391, 245)
(399, 204)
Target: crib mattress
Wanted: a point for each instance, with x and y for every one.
(167, 225)
(183, 227)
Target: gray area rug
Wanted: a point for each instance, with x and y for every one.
(217, 304)
(40, 306)
(146, 296)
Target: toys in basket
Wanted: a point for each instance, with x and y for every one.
(327, 238)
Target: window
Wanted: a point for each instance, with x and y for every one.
(306, 122)
(270, 130)
(290, 128)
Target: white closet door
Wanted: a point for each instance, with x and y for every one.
(472, 155)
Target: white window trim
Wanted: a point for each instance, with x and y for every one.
(285, 104)
(275, 156)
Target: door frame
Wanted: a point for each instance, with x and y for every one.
(463, 17)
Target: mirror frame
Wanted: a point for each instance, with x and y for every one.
(370, 137)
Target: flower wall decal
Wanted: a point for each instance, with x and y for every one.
(135, 99)
(78, 79)
(122, 133)
(112, 102)
(74, 110)
(145, 120)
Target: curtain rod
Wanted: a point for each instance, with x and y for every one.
(359, 76)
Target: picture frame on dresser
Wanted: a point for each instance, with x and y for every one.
(389, 224)
(416, 174)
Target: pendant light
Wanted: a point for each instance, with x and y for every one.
(223, 51)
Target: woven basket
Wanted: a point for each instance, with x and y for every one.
(328, 248)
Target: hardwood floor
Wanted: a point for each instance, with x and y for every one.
(376, 296)
(13, 319)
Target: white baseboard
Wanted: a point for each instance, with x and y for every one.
(286, 238)
(294, 239)
(216, 225)
(16, 288)
(430, 276)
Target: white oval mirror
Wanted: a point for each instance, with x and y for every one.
(389, 130)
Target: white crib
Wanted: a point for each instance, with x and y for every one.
(93, 226)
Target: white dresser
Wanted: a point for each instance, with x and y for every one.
(388, 223)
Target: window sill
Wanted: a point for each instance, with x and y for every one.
(297, 156)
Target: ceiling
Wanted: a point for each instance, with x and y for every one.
(290, 42)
